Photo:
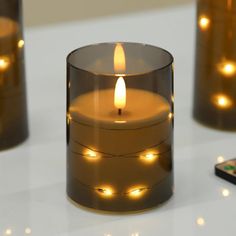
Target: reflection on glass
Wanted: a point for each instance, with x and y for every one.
(21, 43)
(170, 115)
(68, 118)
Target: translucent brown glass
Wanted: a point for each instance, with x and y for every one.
(119, 126)
(215, 70)
(13, 112)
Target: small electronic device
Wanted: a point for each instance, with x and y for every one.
(227, 170)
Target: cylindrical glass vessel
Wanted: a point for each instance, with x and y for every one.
(215, 69)
(13, 112)
(119, 126)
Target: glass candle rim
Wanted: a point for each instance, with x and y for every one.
(70, 64)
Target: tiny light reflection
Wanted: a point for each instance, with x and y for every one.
(225, 192)
(170, 116)
(220, 159)
(69, 118)
(204, 22)
(120, 121)
(200, 221)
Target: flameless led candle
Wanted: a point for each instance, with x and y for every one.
(119, 129)
(13, 114)
(215, 68)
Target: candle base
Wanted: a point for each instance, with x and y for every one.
(88, 198)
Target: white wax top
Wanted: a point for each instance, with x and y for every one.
(7, 27)
(142, 109)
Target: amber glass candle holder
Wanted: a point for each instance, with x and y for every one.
(215, 70)
(119, 126)
(13, 113)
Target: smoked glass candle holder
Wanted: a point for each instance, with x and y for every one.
(215, 70)
(13, 112)
(119, 126)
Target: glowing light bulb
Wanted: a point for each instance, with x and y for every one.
(222, 101)
(201, 221)
(119, 59)
(120, 94)
(21, 43)
(220, 159)
(225, 192)
(149, 157)
(227, 68)
(204, 22)
(4, 63)
(105, 191)
(137, 192)
(91, 155)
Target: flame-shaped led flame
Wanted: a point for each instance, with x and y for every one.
(120, 94)
(119, 59)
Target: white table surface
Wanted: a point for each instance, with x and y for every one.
(33, 175)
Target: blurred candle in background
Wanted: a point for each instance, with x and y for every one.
(215, 68)
(13, 110)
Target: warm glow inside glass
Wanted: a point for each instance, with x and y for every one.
(13, 111)
(215, 70)
(119, 126)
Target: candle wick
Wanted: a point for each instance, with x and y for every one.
(119, 112)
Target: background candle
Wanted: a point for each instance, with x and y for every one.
(13, 113)
(121, 161)
(215, 69)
